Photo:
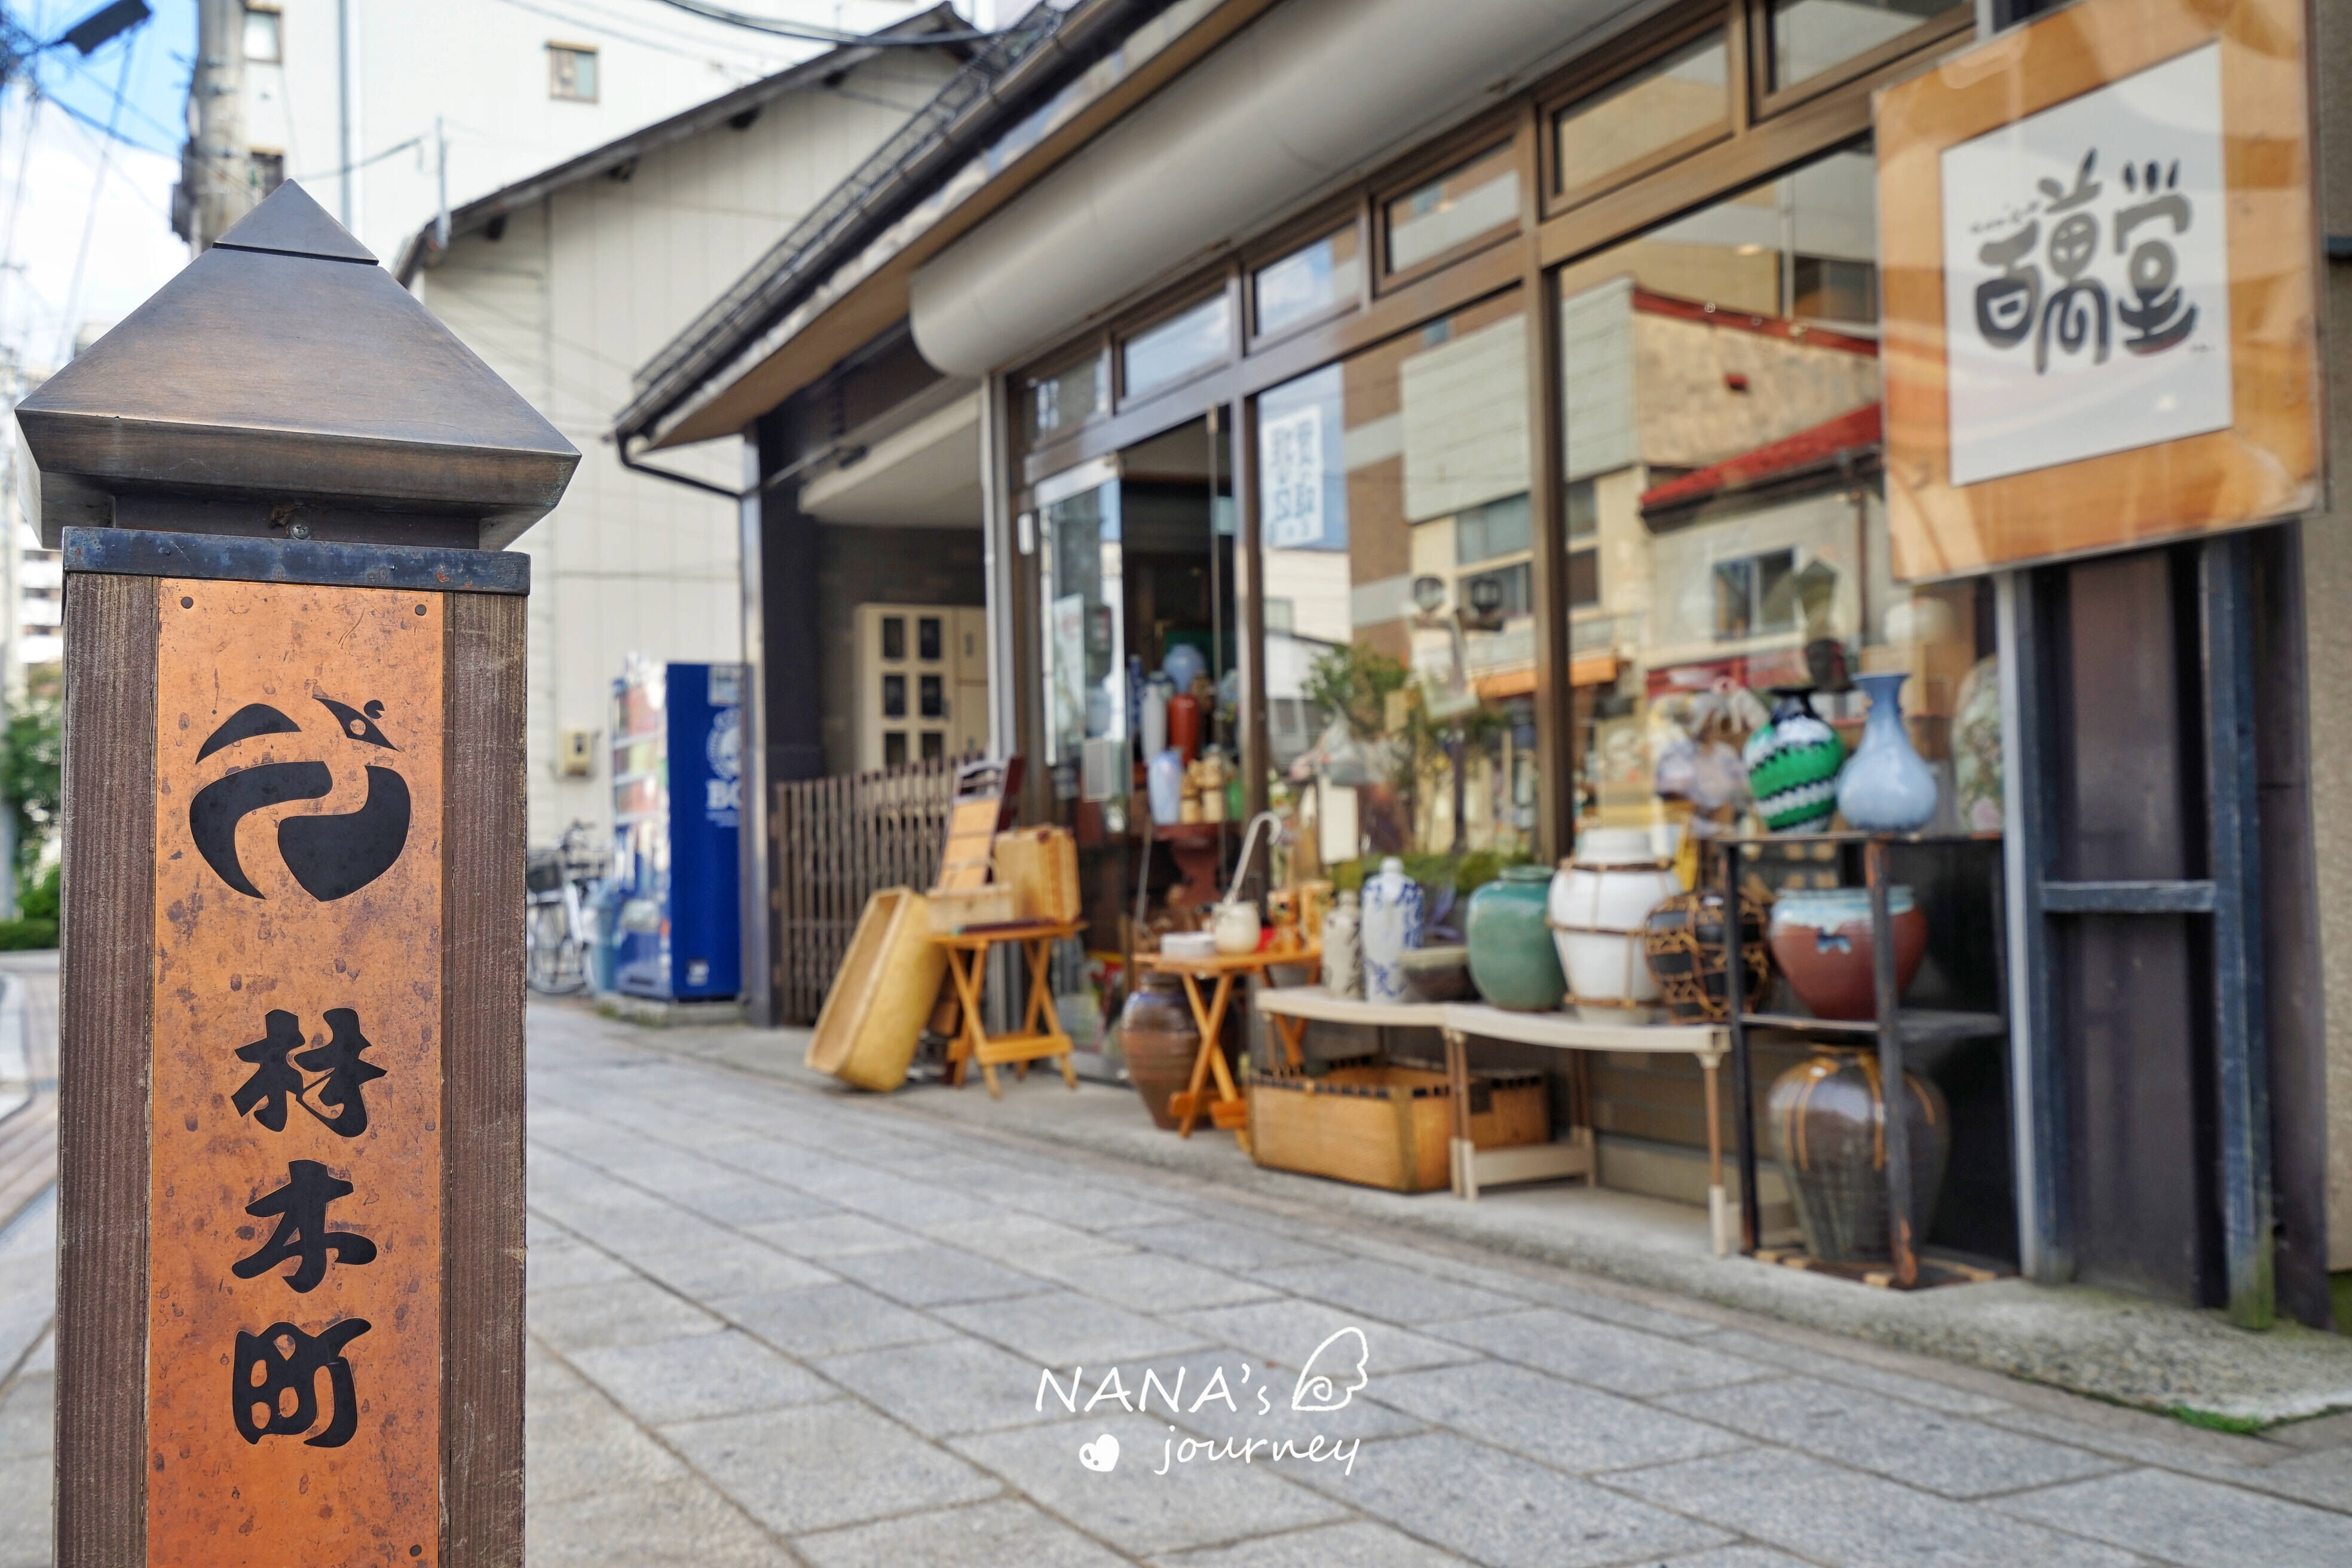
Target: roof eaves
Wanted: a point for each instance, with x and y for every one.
(968, 115)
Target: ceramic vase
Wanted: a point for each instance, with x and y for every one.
(1683, 945)
(1600, 898)
(1821, 941)
(1163, 778)
(1828, 1120)
(1343, 973)
(1887, 788)
(1160, 1042)
(1792, 765)
(1392, 922)
(1512, 959)
(1975, 747)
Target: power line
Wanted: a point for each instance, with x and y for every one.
(705, 57)
(96, 194)
(816, 34)
(417, 140)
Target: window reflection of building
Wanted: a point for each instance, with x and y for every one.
(1397, 537)
(1721, 444)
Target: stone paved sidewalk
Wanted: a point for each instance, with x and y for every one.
(773, 1324)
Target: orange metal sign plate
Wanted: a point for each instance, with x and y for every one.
(298, 922)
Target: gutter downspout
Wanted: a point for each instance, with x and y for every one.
(790, 470)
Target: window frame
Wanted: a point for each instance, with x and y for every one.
(1353, 214)
(1502, 131)
(1615, 67)
(1159, 314)
(558, 46)
(1956, 22)
(276, 34)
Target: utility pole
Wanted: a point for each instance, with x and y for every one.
(223, 165)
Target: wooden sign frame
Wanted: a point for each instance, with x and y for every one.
(2270, 463)
(114, 608)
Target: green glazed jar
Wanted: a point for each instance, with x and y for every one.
(1512, 959)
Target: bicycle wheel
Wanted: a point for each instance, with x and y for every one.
(554, 964)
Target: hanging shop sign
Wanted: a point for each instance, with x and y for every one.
(2100, 285)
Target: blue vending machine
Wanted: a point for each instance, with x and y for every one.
(677, 790)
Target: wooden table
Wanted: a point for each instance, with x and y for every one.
(1294, 1007)
(1229, 1111)
(1041, 1035)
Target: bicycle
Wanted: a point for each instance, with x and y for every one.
(556, 939)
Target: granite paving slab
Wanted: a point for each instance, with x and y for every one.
(927, 1275)
(1834, 1516)
(1003, 1534)
(1389, 1291)
(1506, 1511)
(945, 1387)
(1288, 1332)
(1362, 1544)
(812, 1466)
(701, 1376)
(1546, 1418)
(1131, 1507)
(1062, 1329)
(2183, 1519)
(1926, 1448)
(828, 1320)
(1621, 1359)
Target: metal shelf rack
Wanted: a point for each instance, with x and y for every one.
(1892, 1030)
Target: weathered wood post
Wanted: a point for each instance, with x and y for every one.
(290, 1292)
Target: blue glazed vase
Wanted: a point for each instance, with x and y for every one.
(1513, 961)
(1390, 923)
(1887, 788)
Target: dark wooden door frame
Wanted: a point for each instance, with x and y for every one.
(2229, 898)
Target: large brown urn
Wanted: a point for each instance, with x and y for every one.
(1159, 1040)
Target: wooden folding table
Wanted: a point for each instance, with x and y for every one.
(1228, 1111)
(1041, 1035)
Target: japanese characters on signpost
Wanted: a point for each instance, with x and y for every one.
(291, 1289)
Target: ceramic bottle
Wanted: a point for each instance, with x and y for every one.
(1391, 923)
(1342, 969)
(1512, 959)
(1887, 788)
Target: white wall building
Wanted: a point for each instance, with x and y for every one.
(569, 281)
(514, 86)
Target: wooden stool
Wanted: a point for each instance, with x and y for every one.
(1228, 1111)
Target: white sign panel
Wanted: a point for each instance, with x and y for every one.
(1290, 455)
(2086, 304)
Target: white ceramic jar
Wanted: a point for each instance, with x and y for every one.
(1342, 971)
(1599, 897)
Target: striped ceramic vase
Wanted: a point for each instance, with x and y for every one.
(1792, 765)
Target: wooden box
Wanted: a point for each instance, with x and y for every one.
(1041, 865)
(954, 908)
(1387, 1124)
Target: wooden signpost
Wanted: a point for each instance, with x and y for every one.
(290, 1294)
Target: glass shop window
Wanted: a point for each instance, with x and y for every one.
(1647, 118)
(571, 73)
(1056, 402)
(1400, 674)
(1726, 525)
(1162, 355)
(1474, 197)
(1809, 36)
(1309, 281)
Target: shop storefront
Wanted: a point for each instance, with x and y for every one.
(1507, 488)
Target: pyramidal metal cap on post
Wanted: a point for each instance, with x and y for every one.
(284, 384)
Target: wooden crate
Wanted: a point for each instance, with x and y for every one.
(951, 910)
(1041, 865)
(1387, 1124)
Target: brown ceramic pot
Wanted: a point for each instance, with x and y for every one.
(1820, 942)
(1160, 1041)
(1827, 1120)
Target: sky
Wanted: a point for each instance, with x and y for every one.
(85, 220)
